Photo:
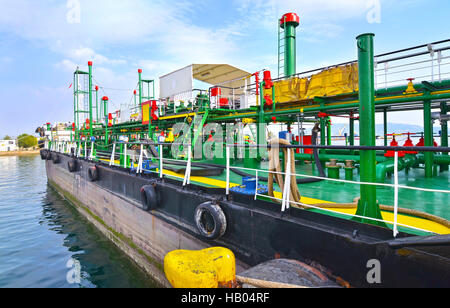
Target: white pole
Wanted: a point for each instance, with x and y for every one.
(91, 156)
(228, 170)
(140, 159)
(395, 193)
(287, 184)
(256, 189)
(161, 161)
(125, 154)
(85, 149)
(187, 174)
(113, 154)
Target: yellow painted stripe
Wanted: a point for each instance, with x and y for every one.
(178, 116)
(416, 222)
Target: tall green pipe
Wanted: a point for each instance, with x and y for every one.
(444, 133)
(367, 205)
(428, 136)
(90, 98)
(328, 131)
(352, 132)
(105, 110)
(96, 105)
(140, 87)
(385, 124)
(289, 22)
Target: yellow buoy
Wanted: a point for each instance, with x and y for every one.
(209, 268)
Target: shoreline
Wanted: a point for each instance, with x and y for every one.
(19, 153)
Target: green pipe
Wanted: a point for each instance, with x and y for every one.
(441, 160)
(392, 101)
(96, 105)
(387, 167)
(444, 133)
(341, 106)
(340, 158)
(385, 126)
(367, 205)
(328, 131)
(418, 87)
(289, 22)
(428, 135)
(90, 98)
(260, 131)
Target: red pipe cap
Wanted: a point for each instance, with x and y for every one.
(90, 63)
(140, 71)
(290, 18)
(105, 98)
(96, 88)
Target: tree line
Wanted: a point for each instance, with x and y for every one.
(24, 140)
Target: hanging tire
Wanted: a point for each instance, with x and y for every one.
(93, 174)
(55, 159)
(149, 197)
(72, 165)
(43, 154)
(48, 156)
(210, 221)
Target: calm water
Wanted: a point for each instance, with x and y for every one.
(43, 239)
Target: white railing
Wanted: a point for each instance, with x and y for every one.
(286, 193)
(65, 147)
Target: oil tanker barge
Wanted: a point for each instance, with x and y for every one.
(223, 166)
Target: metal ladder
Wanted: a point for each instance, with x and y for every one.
(196, 129)
(281, 51)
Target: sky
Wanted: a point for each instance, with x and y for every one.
(43, 42)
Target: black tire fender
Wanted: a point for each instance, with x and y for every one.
(56, 159)
(149, 197)
(72, 165)
(210, 220)
(93, 174)
(43, 154)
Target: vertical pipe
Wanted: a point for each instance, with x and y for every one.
(328, 131)
(96, 104)
(289, 22)
(428, 135)
(367, 205)
(90, 99)
(385, 126)
(140, 87)
(352, 132)
(444, 133)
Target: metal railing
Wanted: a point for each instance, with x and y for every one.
(85, 149)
